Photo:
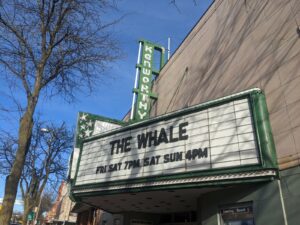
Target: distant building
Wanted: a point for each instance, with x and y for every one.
(60, 213)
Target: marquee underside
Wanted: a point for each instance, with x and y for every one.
(138, 197)
(167, 200)
(149, 202)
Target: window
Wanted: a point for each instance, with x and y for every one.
(238, 214)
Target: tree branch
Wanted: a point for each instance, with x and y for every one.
(20, 37)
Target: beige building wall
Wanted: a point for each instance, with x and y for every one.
(64, 213)
(238, 45)
(61, 210)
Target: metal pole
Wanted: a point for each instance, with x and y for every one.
(282, 203)
(169, 46)
(136, 80)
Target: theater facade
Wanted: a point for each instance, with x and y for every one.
(216, 137)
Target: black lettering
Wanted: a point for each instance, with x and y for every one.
(127, 144)
(182, 131)
(132, 164)
(126, 164)
(171, 135)
(177, 156)
(136, 163)
(142, 140)
(112, 167)
(173, 157)
(129, 164)
(117, 145)
(146, 161)
(203, 153)
(152, 138)
(162, 137)
(98, 169)
(188, 155)
(120, 146)
(154, 160)
(166, 158)
(119, 166)
(196, 153)
(157, 158)
(112, 143)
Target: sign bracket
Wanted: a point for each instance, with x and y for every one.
(146, 71)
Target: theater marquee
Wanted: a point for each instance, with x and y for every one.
(221, 134)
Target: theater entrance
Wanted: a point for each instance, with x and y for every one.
(165, 202)
(163, 207)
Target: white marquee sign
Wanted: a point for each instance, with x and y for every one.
(218, 137)
(88, 125)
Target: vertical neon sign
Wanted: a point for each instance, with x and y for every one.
(145, 72)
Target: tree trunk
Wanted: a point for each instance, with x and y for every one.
(24, 218)
(30, 202)
(12, 180)
(28, 207)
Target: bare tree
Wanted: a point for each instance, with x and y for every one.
(46, 162)
(47, 202)
(47, 48)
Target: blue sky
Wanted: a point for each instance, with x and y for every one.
(154, 20)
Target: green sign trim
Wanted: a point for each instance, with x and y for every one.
(146, 72)
(86, 125)
(85, 128)
(264, 131)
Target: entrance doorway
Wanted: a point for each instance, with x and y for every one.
(141, 222)
(237, 214)
(179, 218)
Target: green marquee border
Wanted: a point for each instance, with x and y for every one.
(78, 141)
(264, 138)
